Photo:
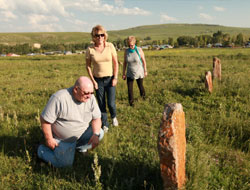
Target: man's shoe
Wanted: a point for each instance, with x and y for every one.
(115, 122)
(105, 129)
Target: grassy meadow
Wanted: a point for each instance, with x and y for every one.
(217, 124)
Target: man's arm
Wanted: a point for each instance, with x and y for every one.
(96, 126)
(47, 131)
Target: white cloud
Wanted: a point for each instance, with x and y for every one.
(200, 7)
(220, 9)
(77, 22)
(98, 6)
(63, 15)
(47, 28)
(42, 19)
(58, 6)
(7, 16)
(6, 5)
(127, 11)
(43, 23)
(34, 6)
(205, 16)
(166, 18)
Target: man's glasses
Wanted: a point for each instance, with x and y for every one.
(84, 93)
(99, 35)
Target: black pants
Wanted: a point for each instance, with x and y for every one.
(130, 82)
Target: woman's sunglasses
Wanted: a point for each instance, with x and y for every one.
(99, 35)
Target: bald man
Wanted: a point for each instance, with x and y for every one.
(71, 120)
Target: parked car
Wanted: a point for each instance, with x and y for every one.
(247, 45)
(218, 45)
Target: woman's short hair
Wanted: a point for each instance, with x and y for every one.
(98, 28)
(131, 39)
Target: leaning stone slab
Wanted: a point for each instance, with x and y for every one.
(172, 147)
(216, 68)
(208, 81)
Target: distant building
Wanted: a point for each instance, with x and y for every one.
(37, 45)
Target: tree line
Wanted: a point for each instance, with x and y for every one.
(217, 38)
(27, 48)
(203, 40)
(187, 41)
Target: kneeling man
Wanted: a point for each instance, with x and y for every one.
(71, 120)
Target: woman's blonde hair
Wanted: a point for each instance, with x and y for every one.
(131, 39)
(96, 29)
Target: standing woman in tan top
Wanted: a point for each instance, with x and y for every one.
(102, 55)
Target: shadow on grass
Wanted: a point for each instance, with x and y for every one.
(115, 175)
(189, 92)
(123, 173)
(16, 146)
(11, 146)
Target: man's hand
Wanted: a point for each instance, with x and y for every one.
(94, 140)
(51, 143)
(114, 82)
(95, 85)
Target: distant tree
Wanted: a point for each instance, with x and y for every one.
(21, 48)
(176, 44)
(2, 49)
(239, 39)
(154, 42)
(186, 40)
(125, 42)
(226, 40)
(61, 47)
(217, 37)
(170, 41)
(119, 43)
(233, 39)
(138, 42)
(164, 41)
(200, 41)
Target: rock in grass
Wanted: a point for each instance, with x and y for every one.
(172, 147)
(208, 81)
(216, 68)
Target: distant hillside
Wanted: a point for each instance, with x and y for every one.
(155, 32)
(164, 31)
(44, 37)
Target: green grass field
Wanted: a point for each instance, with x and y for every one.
(217, 124)
(156, 32)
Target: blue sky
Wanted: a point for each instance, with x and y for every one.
(82, 15)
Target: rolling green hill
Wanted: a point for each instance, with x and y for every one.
(156, 32)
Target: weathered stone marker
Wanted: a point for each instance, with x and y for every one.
(172, 147)
(216, 68)
(208, 81)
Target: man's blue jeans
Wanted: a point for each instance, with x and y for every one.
(105, 88)
(63, 155)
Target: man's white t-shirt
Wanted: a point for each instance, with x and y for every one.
(69, 118)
